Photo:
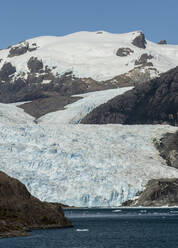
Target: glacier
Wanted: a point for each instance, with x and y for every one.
(83, 165)
(79, 165)
(75, 112)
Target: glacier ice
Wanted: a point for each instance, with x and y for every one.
(80, 165)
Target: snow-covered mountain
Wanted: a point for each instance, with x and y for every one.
(53, 69)
(97, 55)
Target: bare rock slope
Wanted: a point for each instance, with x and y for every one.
(158, 192)
(20, 211)
(154, 102)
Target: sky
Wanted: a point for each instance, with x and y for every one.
(22, 19)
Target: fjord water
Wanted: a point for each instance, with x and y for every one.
(107, 228)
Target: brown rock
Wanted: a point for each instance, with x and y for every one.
(20, 211)
(158, 192)
(168, 148)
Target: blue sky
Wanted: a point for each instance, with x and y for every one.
(22, 19)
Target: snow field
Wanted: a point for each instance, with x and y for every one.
(93, 54)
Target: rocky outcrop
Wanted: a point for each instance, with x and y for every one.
(168, 148)
(154, 102)
(34, 65)
(58, 89)
(123, 52)
(157, 193)
(6, 71)
(140, 41)
(21, 49)
(42, 106)
(143, 60)
(20, 211)
(162, 42)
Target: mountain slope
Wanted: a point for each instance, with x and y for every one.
(150, 103)
(93, 55)
(58, 67)
(157, 193)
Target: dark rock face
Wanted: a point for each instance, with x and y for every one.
(6, 71)
(154, 102)
(34, 65)
(20, 211)
(143, 60)
(140, 41)
(42, 106)
(158, 192)
(21, 49)
(123, 52)
(168, 148)
(162, 42)
(18, 50)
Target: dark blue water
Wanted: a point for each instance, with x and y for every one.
(107, 228)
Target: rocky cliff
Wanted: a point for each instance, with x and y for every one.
(20, 211)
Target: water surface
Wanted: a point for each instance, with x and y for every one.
(107, 228)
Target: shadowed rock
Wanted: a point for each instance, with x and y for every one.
(6, 71)
(140, 41)
(21, 49)
(17, 51)
(143, 60)
(123, 52)
(20, 211)
(34, 65)
(154, 102)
